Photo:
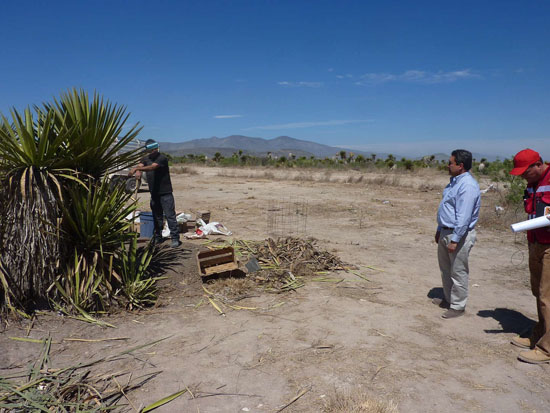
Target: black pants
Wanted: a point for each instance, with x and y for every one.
(164, 204)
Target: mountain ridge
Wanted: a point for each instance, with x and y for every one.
(277, 147)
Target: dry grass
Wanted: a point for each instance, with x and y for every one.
(389, 179)
(423, 179)
(232, 288)
(496, 214)
(184, 170)
(356, 402)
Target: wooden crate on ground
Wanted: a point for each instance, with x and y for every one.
(216, 261)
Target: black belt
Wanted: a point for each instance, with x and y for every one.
(450, 229)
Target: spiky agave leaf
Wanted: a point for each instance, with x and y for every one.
(94, 217)
(80, 284)
(95, 224)
(134, 264)
(98, 136)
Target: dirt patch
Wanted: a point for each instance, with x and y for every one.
(368, 334)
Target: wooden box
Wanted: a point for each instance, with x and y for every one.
(216, 261)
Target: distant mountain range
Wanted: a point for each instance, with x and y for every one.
(280, 146)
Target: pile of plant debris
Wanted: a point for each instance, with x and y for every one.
(286, 261)
(300, 256)
(78, 388)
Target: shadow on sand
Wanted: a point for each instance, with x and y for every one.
(511, 321)
(436, 292)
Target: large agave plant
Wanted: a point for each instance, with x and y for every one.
(32, 171)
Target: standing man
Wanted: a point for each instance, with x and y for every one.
(455, 236)
(160, 186)
(529, 165)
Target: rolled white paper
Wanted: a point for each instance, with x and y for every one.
(531, 224)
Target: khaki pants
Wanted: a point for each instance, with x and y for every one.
(539, 267)
(454, 267)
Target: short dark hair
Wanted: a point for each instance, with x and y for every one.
(462, 156)
(150, 141)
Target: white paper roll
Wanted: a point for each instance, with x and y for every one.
(531, 224)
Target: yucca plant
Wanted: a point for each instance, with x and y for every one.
(95, 223)
(33, 168)
(134, 266)
(51, 163)
(80, 285)
(97, 138)
(95, 217)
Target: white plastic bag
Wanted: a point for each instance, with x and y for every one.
(213, 228)
(165, 230)
(183, 217)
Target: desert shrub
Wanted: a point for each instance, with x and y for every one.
(499, 171)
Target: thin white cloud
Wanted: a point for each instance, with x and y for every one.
(346, 76)
(227, 116)
(300, 84)
(417, 76)
(297, 125)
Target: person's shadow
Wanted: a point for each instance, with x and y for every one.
(512, 321)
(436, 292)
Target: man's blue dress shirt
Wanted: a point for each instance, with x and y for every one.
(459, 208)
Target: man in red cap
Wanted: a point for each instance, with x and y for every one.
(529, 165)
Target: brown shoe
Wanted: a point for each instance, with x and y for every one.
(441, 302)
(523, 342)
(450, 313)
(534, 356)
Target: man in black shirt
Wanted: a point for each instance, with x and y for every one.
(155, 165)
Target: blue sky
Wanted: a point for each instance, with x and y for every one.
(410, 78)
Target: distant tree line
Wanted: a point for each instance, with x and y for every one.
(342, 160)
(497, 171)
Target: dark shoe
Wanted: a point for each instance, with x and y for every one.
(175, 243)
(523, 342)
(450, 313)
(441, 302)
(534, 356)
(157, 240)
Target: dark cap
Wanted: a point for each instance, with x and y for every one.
(523, 160)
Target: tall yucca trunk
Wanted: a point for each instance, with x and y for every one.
(30, 246)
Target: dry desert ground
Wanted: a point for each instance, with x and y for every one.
(346, 339)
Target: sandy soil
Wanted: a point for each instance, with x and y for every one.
(382, 338)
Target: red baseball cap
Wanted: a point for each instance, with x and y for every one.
(523, 160)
